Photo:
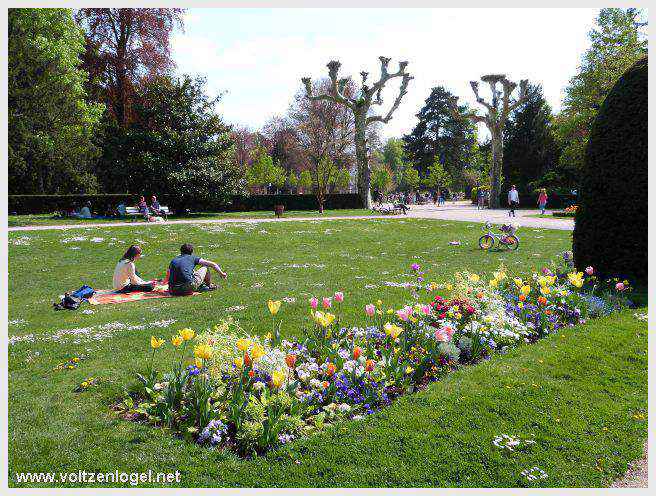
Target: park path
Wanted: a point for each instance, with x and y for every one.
(637, 475)
(462, 211)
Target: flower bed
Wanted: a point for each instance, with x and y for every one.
(568, 212)
(250, 394)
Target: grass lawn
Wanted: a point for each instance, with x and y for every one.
(575, 393)
(47, 220)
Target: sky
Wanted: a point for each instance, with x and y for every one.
(256, 57)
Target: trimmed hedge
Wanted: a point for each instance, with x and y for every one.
(43, 204)
(611, 223)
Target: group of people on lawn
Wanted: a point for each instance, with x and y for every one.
(185, 275)
(150, 212)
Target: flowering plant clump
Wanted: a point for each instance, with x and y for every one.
(86, 384)
(70, 364)
(227, 389)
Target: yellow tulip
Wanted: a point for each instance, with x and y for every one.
(203, 351)
(392, 330)
(187, 334)
(409, 369)
(525, 289)
(518, 282)
(500, 275)
(239, 362)
(278, 378)
(176, 341)
(274, 306)
(257, 351)
(545, 290)
(494, 283)
(474, 277)
(243, 344)
(575, 278)
(156, 342)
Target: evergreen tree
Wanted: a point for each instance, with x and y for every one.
(530, 148)
(439, 134)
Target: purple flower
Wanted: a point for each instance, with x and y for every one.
(415, 267)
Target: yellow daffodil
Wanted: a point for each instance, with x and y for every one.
(187, 334)
(198, 363)
(203, 351)
(268, 336)
(392, 330)
(409, 370)
(243, 344)
(576, 279)
(390, 311)
(278, 377)
(76, 359)
(474, 277)
(518, 282)
(239, 362)
(545, 290)
(84, 384)
(257, 351)
(500, 275)
(379, 302)
(156, 342)
(494, 283)
(176, 340)
(525, 289)
(274, 306)
(457, 315)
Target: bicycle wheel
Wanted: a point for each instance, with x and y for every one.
(485, 242)
(512, 242)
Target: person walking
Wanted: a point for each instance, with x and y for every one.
(513, 201)
(481, 199)
(542, 200)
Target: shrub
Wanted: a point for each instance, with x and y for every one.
(611, 222)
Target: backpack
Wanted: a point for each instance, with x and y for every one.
(85, 292)
(68, 302)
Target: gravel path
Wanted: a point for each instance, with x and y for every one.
(637, 475)
(463, 211)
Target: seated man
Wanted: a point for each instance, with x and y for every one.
(121, 210)
(182, 276)
(155, 206)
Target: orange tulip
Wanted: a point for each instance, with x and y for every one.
(357, 351)
(369, 365)
(248, 361)
(522, 297)
(330, 369)
(290, 360)
(251, 373)
(542, 300)
(325, 384)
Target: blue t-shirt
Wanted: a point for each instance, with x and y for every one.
(181, 270)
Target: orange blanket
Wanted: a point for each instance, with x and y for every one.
(111, 297)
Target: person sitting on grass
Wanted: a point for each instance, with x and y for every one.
(183, 277)
(126, 279)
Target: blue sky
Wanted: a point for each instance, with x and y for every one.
(256, 57)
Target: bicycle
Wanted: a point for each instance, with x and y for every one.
(506, 239)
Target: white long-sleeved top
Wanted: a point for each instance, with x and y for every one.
(513, 195)
(125, 274)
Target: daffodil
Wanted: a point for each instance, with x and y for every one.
(474, 277)
(257, 351)
(176, 340)
(243, 344)
(525, 289)
(239, 362)
(449, 287)
(156, 342)
(409, 370)
(203, 351)
(494, 283)
(187, 334)
(274, 306)
(278, 377)
(392, 330)
(518, 282)
(575, 278)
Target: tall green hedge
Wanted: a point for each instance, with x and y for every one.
(611, 222)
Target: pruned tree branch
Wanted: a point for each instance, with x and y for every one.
(403, 90)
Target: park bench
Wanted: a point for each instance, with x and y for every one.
(390, 208)
(134, 212)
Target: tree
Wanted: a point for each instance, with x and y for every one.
(439, 133)
(178, 137)
(617, 41)
(497, 113)
(410, 180)
(305, 181)
(438, 178)
(262, 170)
(360, 106)
(324, 176)
(393, 157)
(610, 233)
(124, 46)
(292, 181)
(50, 125)
(530, 148)
(342, 179)
(382, 180)
(277, 177)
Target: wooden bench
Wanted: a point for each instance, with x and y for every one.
(390, 208)
(134, 212)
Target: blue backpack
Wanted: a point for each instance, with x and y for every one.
(84, 292)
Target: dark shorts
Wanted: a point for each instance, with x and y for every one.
(514, 205)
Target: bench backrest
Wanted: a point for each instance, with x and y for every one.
(135, 210)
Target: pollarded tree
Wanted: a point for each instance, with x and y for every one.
(361, 107)
(495, 120)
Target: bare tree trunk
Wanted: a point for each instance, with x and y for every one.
(364, 172)
(496, 169)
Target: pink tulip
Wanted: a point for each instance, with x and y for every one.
(619, 286)
(426, 309)
(449, 331)
(327, 302)
(339, 297)
(405, 313)
(370, 310)
(589, 271)
(444, 334)
(314, 303)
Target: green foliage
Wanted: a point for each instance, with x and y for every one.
(529, 149)
(438, 177)
(610, 232)
(305, 180)
(50, 125)
(342, 179)
(261, 171)
(382, 180)
(616, 43)
(179, 145)
(410, 180)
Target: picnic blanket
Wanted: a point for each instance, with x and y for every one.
(111, 297)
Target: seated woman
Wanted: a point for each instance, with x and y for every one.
(126, 279)
(143, 207)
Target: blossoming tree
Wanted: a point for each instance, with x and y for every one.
(497, 114)
(361, 106)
